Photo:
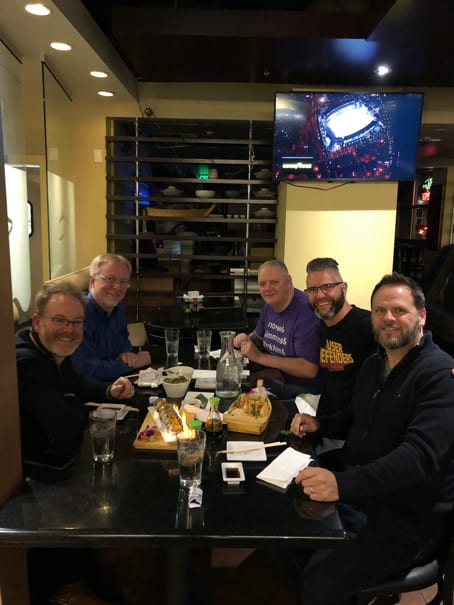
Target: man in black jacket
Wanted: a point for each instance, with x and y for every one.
(395, 479)
(51, 394)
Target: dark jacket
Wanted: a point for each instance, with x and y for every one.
(51, 398)
(400, 433)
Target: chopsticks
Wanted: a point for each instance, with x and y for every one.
(252, 448)
(95, 405)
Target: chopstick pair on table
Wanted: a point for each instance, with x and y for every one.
(95, 405)
(252, 448)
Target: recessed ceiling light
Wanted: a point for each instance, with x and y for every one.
(37, 9)
(99, 74)
(60, 46)
(105, 93)
(383, 70)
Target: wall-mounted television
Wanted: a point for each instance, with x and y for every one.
(351, 136)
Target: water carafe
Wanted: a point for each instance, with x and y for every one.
(228, 372)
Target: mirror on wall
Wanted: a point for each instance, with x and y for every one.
(60, 176)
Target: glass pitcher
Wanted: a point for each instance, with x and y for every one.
(228, 372)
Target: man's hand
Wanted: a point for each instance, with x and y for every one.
(239, 339)
(318, 483)
(249, 350)
(128, 358)
(136, 360)
(143, 358)
(122, 388)
(303, 424)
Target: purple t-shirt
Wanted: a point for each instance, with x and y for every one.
(295, 332)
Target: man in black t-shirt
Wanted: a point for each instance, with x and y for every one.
(345, 334)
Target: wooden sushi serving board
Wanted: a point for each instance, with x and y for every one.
(157, 443)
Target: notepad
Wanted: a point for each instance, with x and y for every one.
(284, 468)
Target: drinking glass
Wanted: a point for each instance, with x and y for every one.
(191, 450)
(204, 342)
(172, 336)
(103, 424)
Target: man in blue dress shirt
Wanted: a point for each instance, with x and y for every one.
(106, 351)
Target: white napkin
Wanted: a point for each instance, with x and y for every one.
(256, 455)
(284, 468)
(307, 403)
(149, 378)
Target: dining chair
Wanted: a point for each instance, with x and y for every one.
(440, 571)
(138, 335)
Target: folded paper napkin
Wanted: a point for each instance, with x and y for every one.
(284, 468)
(306, 404)
(149, 378)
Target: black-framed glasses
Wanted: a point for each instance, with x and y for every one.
(62, 322)
(324, 288)
(110, 279)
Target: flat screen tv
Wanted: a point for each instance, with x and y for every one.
(346, 136)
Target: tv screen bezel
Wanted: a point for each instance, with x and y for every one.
(411, 157)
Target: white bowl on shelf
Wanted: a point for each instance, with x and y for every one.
(264, 213)
(264, 192)
(171, 192)
(205, 193)
(263, 174)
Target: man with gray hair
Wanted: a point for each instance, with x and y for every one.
(286, 337)
(106, 351)
(51, 393)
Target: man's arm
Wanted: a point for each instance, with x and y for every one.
(295, 366)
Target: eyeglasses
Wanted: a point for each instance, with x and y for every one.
(124, 283)
(324, 288)
(62, 322)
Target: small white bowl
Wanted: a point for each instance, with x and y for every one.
(175, 390)
(205, 193)
(171, 192)
(185, 370)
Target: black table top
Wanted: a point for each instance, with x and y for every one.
(136, 500)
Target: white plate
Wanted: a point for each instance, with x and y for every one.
(232, 472)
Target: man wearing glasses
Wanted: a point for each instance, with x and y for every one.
(346, 334)
(51, 393)
(106, 351)
(286, 337)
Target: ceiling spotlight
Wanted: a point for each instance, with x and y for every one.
(60, 46)
(99, 74)
(382, 70)
(37, 9)
(105, 93)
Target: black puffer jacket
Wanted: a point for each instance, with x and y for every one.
(51, 397)
(400, 432)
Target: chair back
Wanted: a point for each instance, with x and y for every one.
(138, 334)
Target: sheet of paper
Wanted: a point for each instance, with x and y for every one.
(236, 445)
(284, 468)
(304, 407)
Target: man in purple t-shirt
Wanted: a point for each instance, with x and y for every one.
(287, 335)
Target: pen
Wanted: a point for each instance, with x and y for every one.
(252, 448)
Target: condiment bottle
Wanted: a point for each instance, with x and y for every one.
(213, 424)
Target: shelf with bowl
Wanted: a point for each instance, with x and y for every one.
(213, 210)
